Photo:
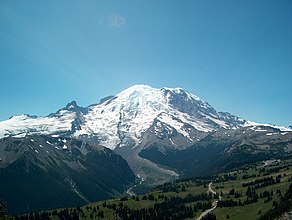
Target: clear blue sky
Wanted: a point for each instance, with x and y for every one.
(235, 54)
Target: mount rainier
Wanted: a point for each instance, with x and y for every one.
(146, 125)
(123, 119)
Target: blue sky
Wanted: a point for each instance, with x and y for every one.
(236, 55)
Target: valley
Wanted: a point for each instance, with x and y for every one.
(149, 174)
(253, 191)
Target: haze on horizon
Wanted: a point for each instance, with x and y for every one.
(236, 55)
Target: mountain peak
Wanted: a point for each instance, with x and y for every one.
(164, 94)
(71, 105)
(181, 91)
(144, 87)
(139, 87)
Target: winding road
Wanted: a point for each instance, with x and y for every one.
(214, 204)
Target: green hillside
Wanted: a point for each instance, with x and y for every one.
(247, 193)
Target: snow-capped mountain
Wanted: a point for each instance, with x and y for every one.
(125, 119)
(125, 116)
(150, 127)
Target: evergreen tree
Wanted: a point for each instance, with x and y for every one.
(3, 209)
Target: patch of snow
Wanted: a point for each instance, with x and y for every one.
(269, 162)
(284, 133)
(270, 134)
(175, 123)
(281, 128)
(65, 147)
(217, 121)
(172, 142)
(21, 135)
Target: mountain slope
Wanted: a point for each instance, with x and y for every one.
(223, 150)
(42, 172)
(153, 123)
